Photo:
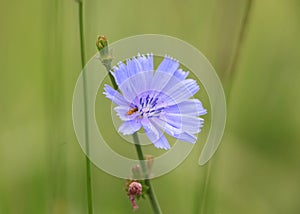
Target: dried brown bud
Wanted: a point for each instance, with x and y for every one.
(134, 190)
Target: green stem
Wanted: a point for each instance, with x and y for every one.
(231, 70)
(228, 79)
(86, 127)
(151, 193)
(206, 185)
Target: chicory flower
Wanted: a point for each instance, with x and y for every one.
(159, 101)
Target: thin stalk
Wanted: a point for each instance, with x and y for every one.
(86, 127)
(153, 200)
(228, 79)
(54, 105)
(206, 185)
(231, 70)
(152, 197)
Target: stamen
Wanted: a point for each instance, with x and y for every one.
(146, 107)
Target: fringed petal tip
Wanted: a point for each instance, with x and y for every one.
(147, 55)
(132, 66)
(180, 74)
(171, 58)
(186, 137)
(164, 147)
(162, 143)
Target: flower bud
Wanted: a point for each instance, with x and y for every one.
(101, 42)
(105, 56)
(134, 190)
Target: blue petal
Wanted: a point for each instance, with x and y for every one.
(180, 92)
(162, 143)
(141, 81)
(128, 90)
(155, 135)
(177, 78)
(146, 62)
(135, 76)
(129, 127)
(180, 74)
(174, 132)
(114, 95)
(142, 74)
(136, 85)
(164, 73)
(133, 66)
(163, 125)
(153, 132)
(186, 137)
(186, 123)
(168, 65)
(192, 107)
(120, 73)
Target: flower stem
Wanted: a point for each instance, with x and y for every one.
(228, 79)
(86, 127)
(231, 70)
(151, 193)
(206, 186)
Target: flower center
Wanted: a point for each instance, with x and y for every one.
(148, 107)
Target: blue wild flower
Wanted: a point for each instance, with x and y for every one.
(159, 101)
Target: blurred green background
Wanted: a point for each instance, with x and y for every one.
(256, 169)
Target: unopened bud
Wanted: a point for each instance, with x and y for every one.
(101, 42)
(105, 55)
